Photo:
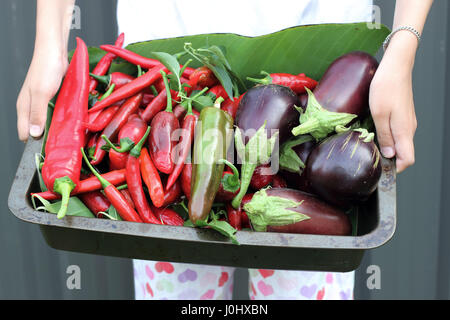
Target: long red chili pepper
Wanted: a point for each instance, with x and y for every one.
(102, 120)
(151, 178)
(116, 177)
(134, 182)
(168, 216)
(126, 194)
(132, 88)
(125, 211)
(138, 60)
(95, 201)
(297, 83)
(173, 194)
(187, 138)
(66, 136)
(218, 91)
(157, 105)
(119, 79)
(161, 146)
(186, 177)
(104, 64)
(112, 129)
(231, 106)
(133, 130)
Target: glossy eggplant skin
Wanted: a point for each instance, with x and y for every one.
(272, 103)
(295, 180)
(343, 169)
(323, 218)
(345, 85)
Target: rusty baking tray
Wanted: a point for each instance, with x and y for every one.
(376, 225)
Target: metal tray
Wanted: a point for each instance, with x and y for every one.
(376, 226)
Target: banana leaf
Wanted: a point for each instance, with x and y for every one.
(303, 49)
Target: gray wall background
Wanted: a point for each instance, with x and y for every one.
(415, 264)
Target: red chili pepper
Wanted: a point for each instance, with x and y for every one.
(203, 77)
(278, 182)
(102, 120)
(112, 129)
(157, 105)
(218, 91)
(119, 79)
(130, 89)
(133, 130)
(138, 60)
(168, 216)
(134, 182)
(186, 177)
(262, 177)
(125, 211)
(126, 194)
(66, 136)
(92, 142)
(147, 98)
(184, 147)
(151, 179)
(116, 178)
(160, 139)
(173, 194)
(105, 63)
(234, 216)
(231, 106)
(230, 184)
(245, 221)
(95, 201)
(297, 83)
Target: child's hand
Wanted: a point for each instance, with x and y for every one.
(41, 84)
(392, 104)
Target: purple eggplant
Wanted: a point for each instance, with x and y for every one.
(344, 169)
(294, 211)
(341, 97)
(272, 103)
(345, 85)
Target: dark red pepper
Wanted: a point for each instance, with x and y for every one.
(234, 216)
(119, 79)
(185, 145)
(186, 177)
(230, 184)
(103, 119)
(231, 106)
(112, 129)
(104, 64)
(168, 216)
(218, 91)
(134, 182)
(278, 182)
(95, 201)
(173, 194)
(203, 77)
(157, 105)
(160, 141)
(67, 135)
(262, 177)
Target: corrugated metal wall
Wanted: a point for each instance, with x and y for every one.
(414, 265)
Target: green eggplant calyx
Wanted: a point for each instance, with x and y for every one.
(257, 151)
(365, 135)
(289, 160)
(318, 121)
(264, 210)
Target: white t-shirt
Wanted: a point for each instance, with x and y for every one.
(149, 19)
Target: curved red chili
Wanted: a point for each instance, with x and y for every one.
(131, 88)
(112, 129)
(173, 194)
(67, 135)
(102, 120)
(105, 63)
(116, 177)
(161, 146)
(297, 83)
(134, 182)
(151, 178)
(157, 105)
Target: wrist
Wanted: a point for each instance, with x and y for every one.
(401, 50)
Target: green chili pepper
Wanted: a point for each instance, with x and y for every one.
(210, 147)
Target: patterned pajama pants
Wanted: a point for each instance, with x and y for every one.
(182, 281)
